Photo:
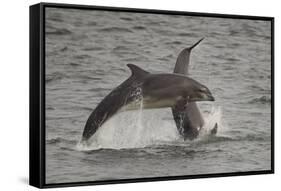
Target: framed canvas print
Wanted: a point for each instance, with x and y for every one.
(123, 95)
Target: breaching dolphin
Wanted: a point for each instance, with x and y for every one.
(150, 91)
(188, 121)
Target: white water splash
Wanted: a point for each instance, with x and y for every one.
(141, 128)
(211, 119)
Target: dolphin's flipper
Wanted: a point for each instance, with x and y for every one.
(114, 101)
(214, 130)
(190, 120)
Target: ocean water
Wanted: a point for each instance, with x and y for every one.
(86, 56)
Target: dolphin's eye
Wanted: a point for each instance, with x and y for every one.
(202, 90)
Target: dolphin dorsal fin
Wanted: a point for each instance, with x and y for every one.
(137, 71)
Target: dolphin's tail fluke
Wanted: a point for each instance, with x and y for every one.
(183, 59)
(190, 48)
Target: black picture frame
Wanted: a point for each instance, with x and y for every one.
(37, 140)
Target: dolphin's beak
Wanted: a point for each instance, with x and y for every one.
(211, 98)
(204, 97)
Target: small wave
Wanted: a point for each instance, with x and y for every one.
(64, 49)
(261, 100)
(121, 48)
(54, 140)
(174, 43)
(139, 27)
(207, 139)
(99, 89)
(87, 108)
(115, 29)
(74, 64)
(231, 59)
(252, 137)
(54, 77)
(233, 32)
(163, 59)
(229, 68)
(214, 139)
(50, 108)
(164, 32)
(93, 48)
(219, 46)
(82, 108)
(126, 18)
(83, 56)
(68, 148)
(186, 34)
(56, 17)
(84, 77)
(61, 31)
(259, 89)
(58, 140)
(92, 23)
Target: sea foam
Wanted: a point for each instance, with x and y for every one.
(142, 128)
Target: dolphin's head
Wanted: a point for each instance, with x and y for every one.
(200, 93)
(205, 94)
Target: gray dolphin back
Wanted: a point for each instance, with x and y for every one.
(190, 120)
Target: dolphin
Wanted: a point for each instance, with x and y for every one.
(146, 90)
(188, 121)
